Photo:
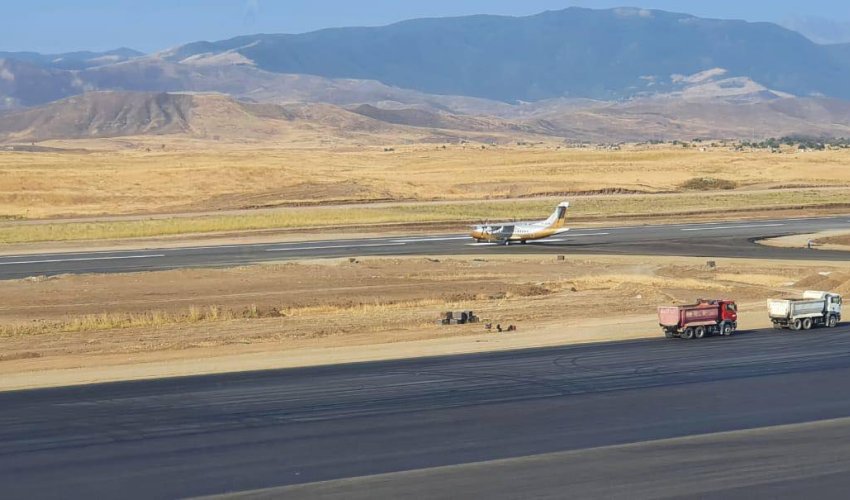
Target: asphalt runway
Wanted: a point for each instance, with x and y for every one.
(636, 419)
(719, 239)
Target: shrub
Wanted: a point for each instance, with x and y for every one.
(707, 184)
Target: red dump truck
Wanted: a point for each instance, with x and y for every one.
(706, 317)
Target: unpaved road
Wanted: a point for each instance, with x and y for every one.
(87, 328)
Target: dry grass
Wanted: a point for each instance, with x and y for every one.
(459, 214)
(37, 185)
(376, 312)
(114, 320)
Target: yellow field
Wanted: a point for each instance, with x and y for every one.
(455, 214)
(125, 181)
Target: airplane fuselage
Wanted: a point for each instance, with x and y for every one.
(523, 231)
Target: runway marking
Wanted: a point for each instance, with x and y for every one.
(417, 240)
(562, 240)
(715, 228)
(81, 259)
(585, 234)
(334, 246)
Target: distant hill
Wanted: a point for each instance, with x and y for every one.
(73, 60)
(601, 54)
(690, 114)
(99, 114)
(219, 118)
(26, 84)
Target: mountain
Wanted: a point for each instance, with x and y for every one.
(574, 53)
(573, 74)
(673, 118)
(26, 84)
(600, 54)
(218, 117)
(73, 60)
(99, 114)
(743, 109)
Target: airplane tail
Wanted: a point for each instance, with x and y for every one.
(559, 216)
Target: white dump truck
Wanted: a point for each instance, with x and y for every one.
(813, 309)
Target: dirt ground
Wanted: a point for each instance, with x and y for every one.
(826, 240)
(112, 178)
(77, 329)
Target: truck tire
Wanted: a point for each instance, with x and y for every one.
(807, 324)
(726, 329)
(831, 322)
(796, 324)
(668, 334)
(699, 332)
(777, 325)
(688, 333)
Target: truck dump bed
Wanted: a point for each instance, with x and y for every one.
(786, 308)
(701, 313)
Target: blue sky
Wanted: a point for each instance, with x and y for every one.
(150, 25)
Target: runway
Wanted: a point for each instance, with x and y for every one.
(719, 239)
(613, 420)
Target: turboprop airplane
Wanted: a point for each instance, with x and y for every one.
(523, 232)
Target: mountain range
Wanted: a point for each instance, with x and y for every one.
(617, 74)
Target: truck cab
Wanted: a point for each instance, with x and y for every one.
(729, 311)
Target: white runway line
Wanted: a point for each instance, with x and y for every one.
(715, 228)
(418, 240)
(334, 246)
(573, 235)
(81, 259)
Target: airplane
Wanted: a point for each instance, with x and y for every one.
(523, 232)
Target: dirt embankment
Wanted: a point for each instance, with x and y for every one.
(75, 329)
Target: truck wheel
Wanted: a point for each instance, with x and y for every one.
(699, 332)
(831, 322)
(726, 330)
(796, 324)
(777, 326)
(807, 324)
(688, 333)
(668, 333)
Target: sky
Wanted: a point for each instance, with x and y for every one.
(52, 26)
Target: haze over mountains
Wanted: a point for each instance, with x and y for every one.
(579, 74)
